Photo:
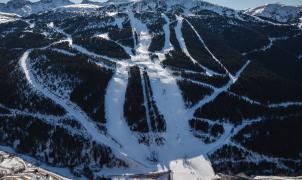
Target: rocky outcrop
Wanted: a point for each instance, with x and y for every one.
(13, 167)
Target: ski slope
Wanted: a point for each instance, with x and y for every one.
(181, 151)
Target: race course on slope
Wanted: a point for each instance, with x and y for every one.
(164, 67)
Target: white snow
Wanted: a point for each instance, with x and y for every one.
(277, 12)
(71, 109)
(191, 164)
(104, 36)
(180, 39)
(168, 46)
(63, 51)
(285, 104)
(76, 7)
(184, 163)
(184, 154)
(275, 105)
(7, 17)
(218, 91)
(209, 51)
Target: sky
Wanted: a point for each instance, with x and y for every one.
(236, 4)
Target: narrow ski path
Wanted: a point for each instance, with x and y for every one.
(75, 112)
(218, 91)
(169, 101)
(209, 51)
(71, 109)
(181, 41)
(116, 126)
(191, 164)
(167, 46)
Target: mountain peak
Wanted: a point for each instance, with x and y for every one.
(25, 7)
(277, 12)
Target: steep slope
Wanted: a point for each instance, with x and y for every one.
(140, 86)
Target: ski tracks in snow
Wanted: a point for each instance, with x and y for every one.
(191, 163)
(73, 111)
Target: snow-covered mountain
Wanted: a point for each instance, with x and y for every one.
(25, 7)
(278, 12)
(133, 87)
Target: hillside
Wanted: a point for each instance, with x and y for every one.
(132, 87)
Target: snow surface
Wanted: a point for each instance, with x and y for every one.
(182, 152)
(34, 7)
(181, 41)
(190, 164)
(168, 46)
(184, 163)
(72, 109)
(7, 17)
(277, 12)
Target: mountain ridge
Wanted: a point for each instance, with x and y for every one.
(278, 12)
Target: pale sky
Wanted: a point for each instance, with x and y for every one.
(236, 4)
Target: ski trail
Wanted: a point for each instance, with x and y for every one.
(196, 82)
(264, 21)
(272, 40)
(181, 41)
(71, 109)
(115, 98)
(218, 91)
(82, 49)
(169, 101)
(106, 37)
(227, 138)
(274, 105)
(63, 52)
(116, 124)
(168, 46)
(209, 51)
(146, 104)
(147, 109)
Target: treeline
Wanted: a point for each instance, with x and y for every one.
(261, 84)
(214, 80)
(102, 46)
(18, 93)
(192, 93)
(197, 50)
(236, 34)
(206, 131)
(276, 137)
(229, 57)
(177, 60)
(134, 108)
(88, 81)
(227, 108)
(157, 43)
(53, 145)
(158, 123)
(233, 160)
